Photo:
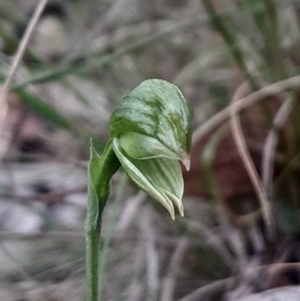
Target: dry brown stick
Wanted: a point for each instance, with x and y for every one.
(248, 162)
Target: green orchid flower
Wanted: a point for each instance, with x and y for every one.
(151, 131)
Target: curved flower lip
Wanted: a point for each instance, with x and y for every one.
(159, 177)
(140, 146)
(143, 147)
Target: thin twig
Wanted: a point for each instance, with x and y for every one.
(248, 162)
(269, 149)
(17, 59)
(239, 105)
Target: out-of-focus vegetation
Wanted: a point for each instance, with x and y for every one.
(82, 58)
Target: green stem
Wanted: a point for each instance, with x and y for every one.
(92, 259)
(101, 169)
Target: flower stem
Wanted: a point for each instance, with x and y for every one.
(101, 169)
(92, 258)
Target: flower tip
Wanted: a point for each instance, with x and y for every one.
(186, 161)
(171, 211)
(172, 214)
(181, 210)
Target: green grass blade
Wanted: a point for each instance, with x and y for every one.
(84, 65)
(219, 24)
(43, 109)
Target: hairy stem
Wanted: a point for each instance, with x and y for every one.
(92, 259)
(101, 169)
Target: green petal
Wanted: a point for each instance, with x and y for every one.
(176, 201)
(139, 146)
(155, 108)
(160, 177)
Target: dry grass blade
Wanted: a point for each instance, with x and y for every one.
(239, 105)
(207, 290)
(248, 162)
(20, 52)
(130, 210)
(271, 142)
(221, 285)
(228, 37)
(214, 241)
(169, 282)
(17, 59)
(135, 289)
(152, 257)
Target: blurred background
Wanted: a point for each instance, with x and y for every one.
(82, 58)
